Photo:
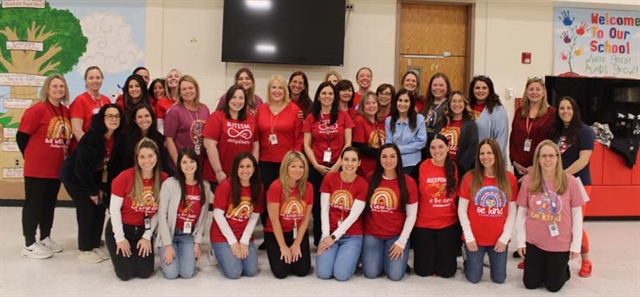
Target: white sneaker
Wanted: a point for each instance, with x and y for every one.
(53, 246)
(212, 258)
(103, 254)
(36, 251)
(90, 256)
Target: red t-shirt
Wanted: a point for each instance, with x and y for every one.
(50, 130)
(132, 212)
(162, 106)
(478, 109)
(292, 208)
(325, 135)
(287, 128)
(84, 107)
(372, 135)
(190, 212)
(452, 132)
(356, 99)
(233, 137)
(488, 208)
(341, 200)
(385, 219)
(436, 210)
(238, 216)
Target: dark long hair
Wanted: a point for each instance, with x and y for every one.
(573, 130)
(133, 131)
(376, 177)
(153, 84)
(98, 119)
(304, 102)
(449, 167)
(144, 92)
(236, 187)
(316, 108)
(502, 182)
(344, 85)
(411, 113)
(182, 180)
(242, 114)
(493, 99)
(430, 97)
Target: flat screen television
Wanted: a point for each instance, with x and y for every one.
(304, 32)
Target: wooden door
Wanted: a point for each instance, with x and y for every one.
(435, 38)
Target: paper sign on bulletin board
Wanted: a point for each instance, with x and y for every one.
(600, 43)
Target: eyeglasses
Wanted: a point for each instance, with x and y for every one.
(552, 156)
(112, 116)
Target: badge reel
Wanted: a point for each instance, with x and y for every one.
(147, 222)
(273, 139)
(198, 148)
(527, 145)
(327, 156)
(553, 230)
(186, 228)
(295, 229)
(96, 110)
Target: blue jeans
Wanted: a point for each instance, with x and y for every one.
(230, 265)
(375, 258)
(184, 264)
(341, 259)
(497, 262)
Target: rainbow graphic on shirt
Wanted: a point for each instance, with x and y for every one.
(490, 201)
(293, 209)
(241, 212)
(383, 200)
(376, 139)
(341, 200)
(59, 132)
(149, 203)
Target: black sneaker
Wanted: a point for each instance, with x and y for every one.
(516, 255)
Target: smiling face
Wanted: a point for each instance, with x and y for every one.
(93, 80)
(384, 97)
(350, 162)
(188, 91)
(403, 104)
(481, 91)
(237, 101)
(147, 159)
(370, 106)
(295, 170)
(143, 119)
(389, 159)
(112, 119)
(188, 165)
(457, 104)
(276, 91)
(535, 92)
(158, 90)
(245, 81)
(364, 78)
(172, 79)
(548, 158)
(438, 150)
(245, 171)
(486, 156)
(565, 111)
(439, 88)
(410, 82)
(56, 91)
(326, 97)
(134, 89)
(296, 85)
(345, 95)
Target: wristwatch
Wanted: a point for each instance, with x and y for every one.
(333, 237)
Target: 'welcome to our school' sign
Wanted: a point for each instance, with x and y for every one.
(603, 43)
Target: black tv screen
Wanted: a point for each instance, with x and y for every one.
(305, 32)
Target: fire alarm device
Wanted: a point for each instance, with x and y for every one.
(526, 58)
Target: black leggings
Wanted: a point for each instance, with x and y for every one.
(135, 265)
(550, 269)
(90, 218)
(434, 250)
(41, 195)
(315, 178)
(281, 269)
(269, 172)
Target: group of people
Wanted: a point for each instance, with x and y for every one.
(376, 172)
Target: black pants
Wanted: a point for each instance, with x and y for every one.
(550, 269)
(135, 265)
(281, 269)
(269, 172)
(90, 218)
(41, 195)
(434, 250)
(315, 178)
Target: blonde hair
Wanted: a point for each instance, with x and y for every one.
(138, 185)
(191, 79)
(44, 90)
(289, 158)
(167, 92)
(536, 175)
(364, 99)
(283, 82)
(526, 103)
(334, 73)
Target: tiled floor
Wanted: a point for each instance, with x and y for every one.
(615, 253)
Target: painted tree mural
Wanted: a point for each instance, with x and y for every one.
(63, 44)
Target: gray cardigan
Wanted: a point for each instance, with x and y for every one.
(168, 212)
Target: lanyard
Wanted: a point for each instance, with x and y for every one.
(553, 204)
(528, 127)
(327, 129)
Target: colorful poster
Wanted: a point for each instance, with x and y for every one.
(599, 43)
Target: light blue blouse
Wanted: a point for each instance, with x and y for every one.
(409, 142)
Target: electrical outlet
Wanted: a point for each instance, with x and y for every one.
(349, 6)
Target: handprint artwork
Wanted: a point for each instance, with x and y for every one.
(570, 36)
(566, 18)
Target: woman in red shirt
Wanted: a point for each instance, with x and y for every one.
(88, 103)
(411, 83)
(385, 93)
(244, 78)
(364, 78)
(135, 196)
(44, 136)
(487, 209)
(134, 92)
(392, 205)
(236, 211)
(368, 132)
(299, 92)
(327, 131)
(436, 235)
(344, 90)
(289, 203)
